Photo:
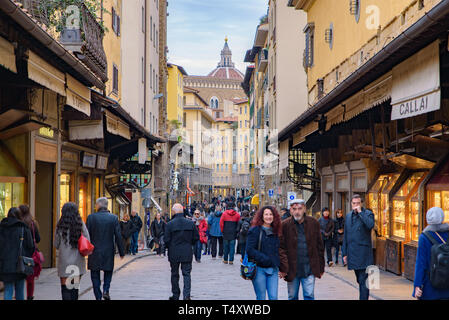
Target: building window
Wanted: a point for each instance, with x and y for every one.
(150, 120)
(154, 34)
(354, 9)
(143, 19)
(143, 71)
(151, 28)
(309, 31)
(114, 79)
(151, 79)
(115, 22)
(241, 110)
(184, 119)
(246, 109)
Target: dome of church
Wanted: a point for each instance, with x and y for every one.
(226, 68)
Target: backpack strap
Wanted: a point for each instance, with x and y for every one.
(442, 240)
(431, 238)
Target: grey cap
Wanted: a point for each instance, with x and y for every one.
(297, 201)
(435, 215)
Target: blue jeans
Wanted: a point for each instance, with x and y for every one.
(197, 250)
(228, 250)
(134, 242)
(96, 282)
(17, 286)
(266, 281)
(308, 288)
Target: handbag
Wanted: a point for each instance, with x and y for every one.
(37, 257)
(25, 265)
(248, 269)
(85, 248)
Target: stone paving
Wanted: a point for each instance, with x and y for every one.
(147, 277)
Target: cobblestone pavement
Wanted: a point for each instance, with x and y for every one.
(149, 279)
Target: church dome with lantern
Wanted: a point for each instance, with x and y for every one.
(226, 68)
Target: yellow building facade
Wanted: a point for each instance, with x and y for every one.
(175, 92)
(338, 44)
(112, 47)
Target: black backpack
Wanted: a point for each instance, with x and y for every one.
(439, 262)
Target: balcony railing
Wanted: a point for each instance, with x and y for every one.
(85, 40)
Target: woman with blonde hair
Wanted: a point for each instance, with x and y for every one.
(126, 228)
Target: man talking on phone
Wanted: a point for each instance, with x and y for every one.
(357, 249)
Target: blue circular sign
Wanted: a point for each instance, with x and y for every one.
(292, 197)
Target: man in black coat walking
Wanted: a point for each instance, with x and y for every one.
(137, 222)
(357, 248)
(180, 236)
(104, 231)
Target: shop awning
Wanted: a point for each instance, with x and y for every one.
(412, 162)
(11, 116)
(116, 126)
(283, 155)
(21, 128)
(255, 200)
(78, 95)
(85, 129)
(414, 91)
(440, 181)
(45, 74)
(7, 55)
(301, 135)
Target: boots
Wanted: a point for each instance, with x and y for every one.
(74, 293)
(66, 293)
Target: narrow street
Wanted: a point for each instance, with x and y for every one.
(147, 277)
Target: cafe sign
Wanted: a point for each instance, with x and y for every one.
(416, 84)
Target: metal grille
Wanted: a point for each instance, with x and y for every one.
(301, 169)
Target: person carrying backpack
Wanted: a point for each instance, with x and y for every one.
(432, 268)
(243, 227)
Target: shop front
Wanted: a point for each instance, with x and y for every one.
(82, 177)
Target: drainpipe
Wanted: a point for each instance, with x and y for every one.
(145, 68)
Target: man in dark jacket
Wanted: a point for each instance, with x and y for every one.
(104, 230)
(301, 252)
(180, 236)
(228, 225)
(137, 222)
(11, 229)
(243, 227)
(357, 248)
(285, 214)
(327, 232)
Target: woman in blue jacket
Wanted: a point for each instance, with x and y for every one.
(215, 234)
(266, 228)
(423, 289)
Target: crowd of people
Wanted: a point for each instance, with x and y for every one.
(288, 245)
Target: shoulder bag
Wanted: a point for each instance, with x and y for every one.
(85, 247)
(248, 269)
(25, 265)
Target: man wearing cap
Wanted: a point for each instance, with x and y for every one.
(301, 252)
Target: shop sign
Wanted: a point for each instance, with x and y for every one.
(89, 160)
(102, 162)
(416, 84)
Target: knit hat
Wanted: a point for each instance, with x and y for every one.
(435, 215)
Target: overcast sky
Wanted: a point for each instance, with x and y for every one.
(197, 28)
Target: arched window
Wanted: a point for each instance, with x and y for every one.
(214, 103)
